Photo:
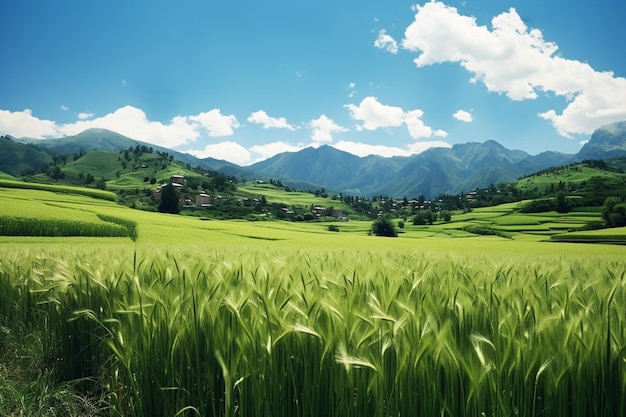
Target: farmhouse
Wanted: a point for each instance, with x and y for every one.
(203, 200)
(317, 210)
(178, 180)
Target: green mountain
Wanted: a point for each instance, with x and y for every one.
(103, 139)
(17, 158)
(433, 172)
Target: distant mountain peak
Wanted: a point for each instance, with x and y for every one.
(607, 141)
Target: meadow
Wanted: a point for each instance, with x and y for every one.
(236, 318)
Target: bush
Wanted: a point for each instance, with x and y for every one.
(423, 217)
(614, 212)
(445, 215)
(333, 228)
(383, 226)
(539, 206)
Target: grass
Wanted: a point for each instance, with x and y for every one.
(90, 192)
(343, 330)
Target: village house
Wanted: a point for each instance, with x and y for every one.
(317, 210)
(203, 200)
(177, 181)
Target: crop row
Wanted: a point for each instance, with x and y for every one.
(20, 226)
(334, 333)
(89, 192)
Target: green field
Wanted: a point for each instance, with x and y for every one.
(237, 318)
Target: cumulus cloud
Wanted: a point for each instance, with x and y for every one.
(128, 121)
(375, 115)
(365, 149)
(515, 60)
(24, 124)
(463, 116)
(215, 123)
(386, 42)
(227, 151)
(84, 115)
(323, 129)
(262, 118)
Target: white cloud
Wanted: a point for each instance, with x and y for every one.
(262, 118)
(515, 60)
(385, 41)
(227, 151)
(64, 107)
(84, 116)
(351, 89)
(417, 128)
(419, 147)
(463, 116)
(215, 122)
(364, 149)
(375, 115)
(128, 121)
(323, 129)
(24, 124)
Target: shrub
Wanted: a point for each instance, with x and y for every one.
(383, 226)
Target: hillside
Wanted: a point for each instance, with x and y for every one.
(16, 158)
(103, 139)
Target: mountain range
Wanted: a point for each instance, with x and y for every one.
(436, 171)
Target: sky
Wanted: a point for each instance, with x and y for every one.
(244, 80)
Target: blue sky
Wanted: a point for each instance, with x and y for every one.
(244, 80)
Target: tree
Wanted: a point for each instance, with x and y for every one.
(614, 212)
(562, 206)
(169, 200)
(102, 183)
(445, 215)
(423, 217)
(383, 226)
(419, 219)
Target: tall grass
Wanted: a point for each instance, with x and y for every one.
(338, 333)
(22, 226)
